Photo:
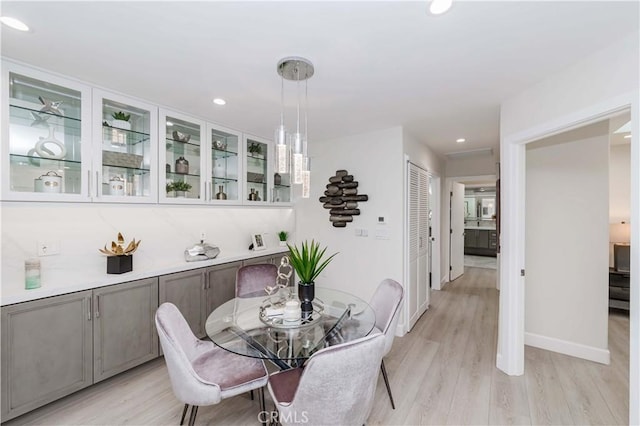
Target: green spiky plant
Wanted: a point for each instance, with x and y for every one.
(121, 116)
(307, 261)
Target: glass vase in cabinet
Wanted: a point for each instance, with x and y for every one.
(182, 163)
(224, 165)
(46, 121)
(257, 157)
(126, 159)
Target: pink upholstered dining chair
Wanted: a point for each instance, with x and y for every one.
(200, 372)
(335, 387)
(251, 280)
(386, 304)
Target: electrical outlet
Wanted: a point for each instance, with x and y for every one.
(48, 248)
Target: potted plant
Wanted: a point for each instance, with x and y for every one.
(308, 263)
(282, 236)
(120, 257)
(121, 120)
(255, 149)
(179, 187)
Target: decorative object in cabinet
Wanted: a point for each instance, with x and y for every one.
(256, 169)
(183, 150)
(44, 123)
(225, 164)
(128, 148)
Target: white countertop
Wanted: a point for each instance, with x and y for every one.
(487, 228)
(68, 280)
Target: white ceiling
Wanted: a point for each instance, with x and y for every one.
(378, 64)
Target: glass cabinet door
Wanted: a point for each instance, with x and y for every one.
(127, 155)
(281, 188)
(181, 157)
(257, 170)
(46, 126)
(225, 167)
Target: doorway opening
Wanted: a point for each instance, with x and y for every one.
(472, 224)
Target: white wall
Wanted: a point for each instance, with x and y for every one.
(620, 183)
(472, 165)
(165, 231)
(567, 235)
(376, 162)
(604, 81)
(610, 72)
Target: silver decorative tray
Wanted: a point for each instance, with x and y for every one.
(278, 321)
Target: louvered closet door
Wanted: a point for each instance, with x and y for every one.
(418, 297)
(423, 242)
(414, 214)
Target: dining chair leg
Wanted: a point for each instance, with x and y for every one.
(184, 413)
(261, 396)
(386, 382)
(251, 393)
(192, 416)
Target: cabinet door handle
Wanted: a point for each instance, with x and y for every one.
(211, 191)
(98, 306)
(89, 183)
(97, 184)
(87, 301)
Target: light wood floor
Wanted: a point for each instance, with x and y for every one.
(443, 372)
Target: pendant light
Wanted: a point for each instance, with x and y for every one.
(294, 69)
(282, 147)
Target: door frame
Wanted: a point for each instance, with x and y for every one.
(510, 350)
(446, 222)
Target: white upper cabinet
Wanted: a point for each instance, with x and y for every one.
(225, 165)
(66, 141)
(183, 155)
(125, 158)
(46, 134)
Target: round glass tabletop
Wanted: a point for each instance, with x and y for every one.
(256, 326)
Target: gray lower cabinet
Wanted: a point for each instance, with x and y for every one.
(187, 290)
(46, 351)
(124, 333)
(221, 284)
(480, 241)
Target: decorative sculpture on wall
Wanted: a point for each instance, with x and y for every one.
(341, 198)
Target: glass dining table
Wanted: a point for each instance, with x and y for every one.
(256, 326)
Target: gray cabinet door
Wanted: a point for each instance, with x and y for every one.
(483, 238)
(187, 291)
(124, 333)
(221, 284)
(46, 351)
(258, 260)
(470, 237)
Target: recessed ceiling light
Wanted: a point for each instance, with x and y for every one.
(628, 137)
(439, 7)
(169, 124)
(14, 23)
(461, 140)
(219, 101)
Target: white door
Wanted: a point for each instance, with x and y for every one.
(418, 210)
(456, 233)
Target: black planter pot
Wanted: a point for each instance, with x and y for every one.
(119, 264)
(306, 293)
